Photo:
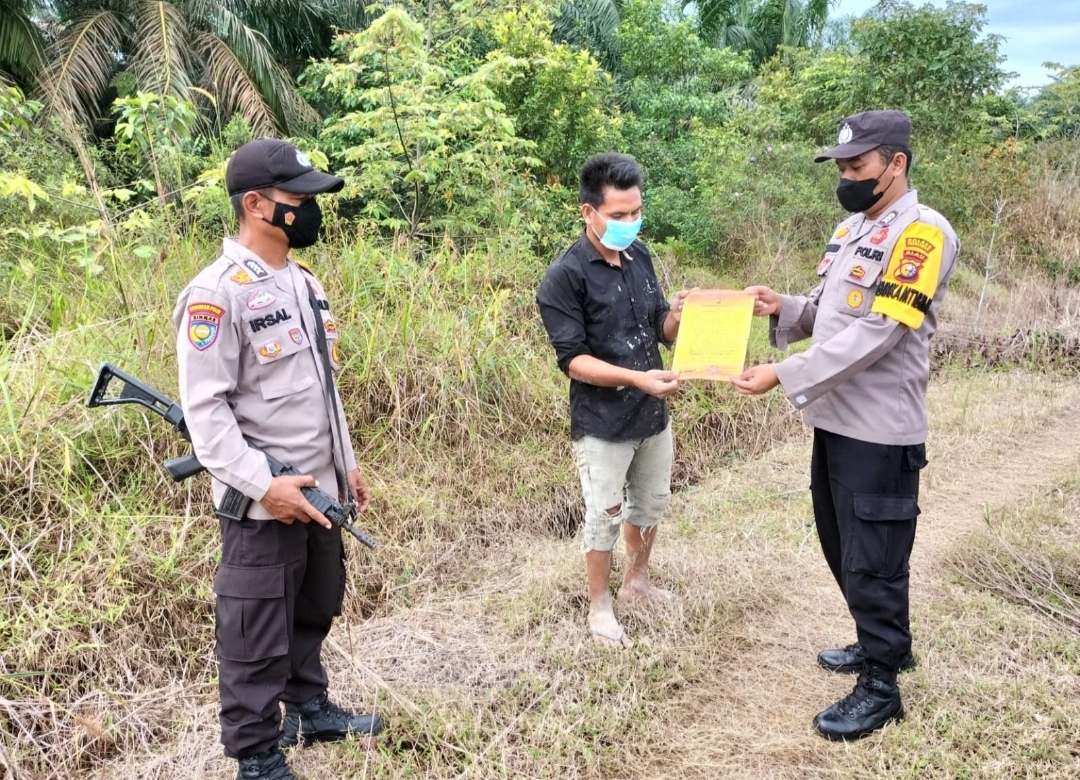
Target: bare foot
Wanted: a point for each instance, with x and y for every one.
(645, 591)
(607, 631)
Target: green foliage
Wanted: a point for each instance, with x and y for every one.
(930, 62)
(759, 27)
(152, 130)
(429, 154)
(678, 92)
(559, 99)
(1058, 104)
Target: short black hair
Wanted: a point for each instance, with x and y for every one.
(609, 169)
(237, 201)
(888, 152)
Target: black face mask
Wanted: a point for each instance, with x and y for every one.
(300, 223)
(857, 196)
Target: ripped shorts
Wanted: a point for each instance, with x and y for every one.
(634, 476)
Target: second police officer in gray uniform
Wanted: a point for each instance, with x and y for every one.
(257, 350)
(862, 386)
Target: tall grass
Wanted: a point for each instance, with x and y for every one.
(457, 410)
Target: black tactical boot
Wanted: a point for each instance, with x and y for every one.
(848, 660)
(874, 702)
(320, 720)
(265, 766)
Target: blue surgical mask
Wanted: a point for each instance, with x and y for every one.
(618, 235)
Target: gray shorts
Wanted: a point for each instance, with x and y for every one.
(632, 475)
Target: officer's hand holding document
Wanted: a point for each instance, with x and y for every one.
(713, 334)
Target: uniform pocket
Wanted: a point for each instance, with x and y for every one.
(883, 534)
(251, 614)
(277, 349)
(854, 294)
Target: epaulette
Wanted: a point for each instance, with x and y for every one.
(303, 267)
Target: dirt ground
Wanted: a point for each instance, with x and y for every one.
(722, 684)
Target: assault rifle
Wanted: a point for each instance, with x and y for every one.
(234, 504)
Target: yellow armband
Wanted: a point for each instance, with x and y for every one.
(910, 281)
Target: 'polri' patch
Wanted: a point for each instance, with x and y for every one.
(204, 322)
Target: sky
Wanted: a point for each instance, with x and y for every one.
(1035, 31)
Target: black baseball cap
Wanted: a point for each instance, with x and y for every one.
(270, 162)
(860, 133)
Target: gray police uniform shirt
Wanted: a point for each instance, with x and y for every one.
(251, 376)
(871, 318)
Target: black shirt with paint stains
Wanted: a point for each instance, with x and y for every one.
(616, 314)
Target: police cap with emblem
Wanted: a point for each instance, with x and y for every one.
(860, 133)
(269, 162)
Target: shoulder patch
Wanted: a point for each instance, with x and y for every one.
(304, 267)
(204, 323)
(910, 281)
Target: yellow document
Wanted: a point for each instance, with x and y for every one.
(713, 334)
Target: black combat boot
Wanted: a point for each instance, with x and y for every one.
(874, 702)
(320, 720)
(265, 766)
(848, 660)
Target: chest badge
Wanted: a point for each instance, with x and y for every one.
(842, 232)
(261, 300)
(857, 272)
(296, 335)
(880, 236)
(270, 349)
(242, 277)
(855, 299)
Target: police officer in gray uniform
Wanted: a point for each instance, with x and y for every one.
(257, 350)
(862, 386)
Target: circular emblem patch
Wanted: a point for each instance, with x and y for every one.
(846, 134)
(855, 299)
(303, 159)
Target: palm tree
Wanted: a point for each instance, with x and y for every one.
(227, 55)
(591, 25)
(21, 43)
(760, 26)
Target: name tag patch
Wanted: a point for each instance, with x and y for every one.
(268, 321)
(873, 255)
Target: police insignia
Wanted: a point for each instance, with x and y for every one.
(329, 325)
(242, 277)
(855, 299)
(204, 322)
(880, 236)
(846, 134)
(270, 349)
(334, 353)
(842, 232)
(296, 335)
(857, 272)
(906, 290)
(888, 218)
(261, 300)
(256, 268)
(823, 266)
(290, 217)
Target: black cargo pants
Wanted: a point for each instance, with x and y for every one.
(278, 589)
(865, 506)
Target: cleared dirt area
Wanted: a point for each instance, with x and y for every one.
(484, 666)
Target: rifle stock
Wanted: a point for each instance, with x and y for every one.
(234, 504)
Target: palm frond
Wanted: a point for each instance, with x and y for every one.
(21, 43)
(161, 55)
(80, 64)
(234, 90)
(591, 25)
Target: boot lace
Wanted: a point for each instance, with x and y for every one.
(272, 766)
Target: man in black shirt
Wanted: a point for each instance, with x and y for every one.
(606, 317)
